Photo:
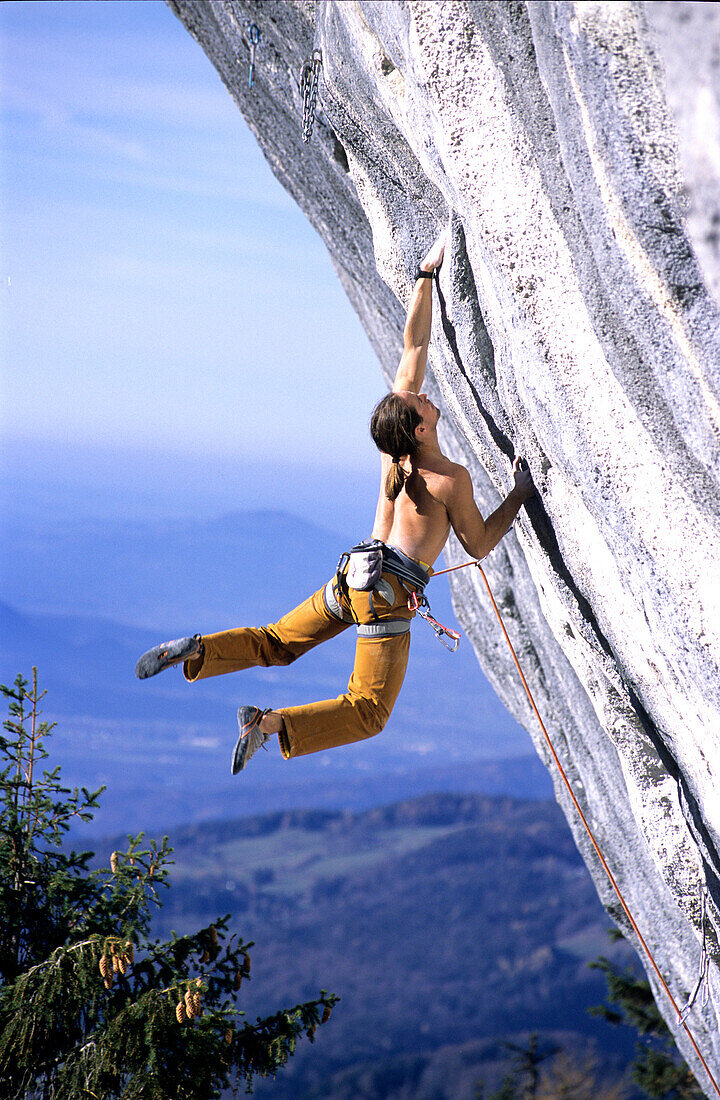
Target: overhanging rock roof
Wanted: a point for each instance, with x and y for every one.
(578, 327)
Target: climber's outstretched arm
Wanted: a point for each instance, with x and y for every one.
(411, 372)
(479, 536)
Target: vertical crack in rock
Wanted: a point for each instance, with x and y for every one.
(536, 512)
(575, 328)
(688, 801)
(501, 441)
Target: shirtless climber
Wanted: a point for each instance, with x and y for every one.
(422, 495)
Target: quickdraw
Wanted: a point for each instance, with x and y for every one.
(702, 981)
(423, 609)
(309, 80)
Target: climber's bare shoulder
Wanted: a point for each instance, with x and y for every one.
(442, 480)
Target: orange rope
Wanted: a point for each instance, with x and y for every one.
(454, 567)
(583, 819)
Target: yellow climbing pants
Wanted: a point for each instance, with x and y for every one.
(381, 657)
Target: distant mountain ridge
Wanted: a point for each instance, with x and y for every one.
(76, 598)
(178, 571)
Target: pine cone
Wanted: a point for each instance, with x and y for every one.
(246, 964)
(130, 953)
(109, 980)
(205, 957)
(326, 1014)
(189, 1005)
(229, 1036)
(197, 1004)
(114, 862)
(180, 1013)
(115, 962)
(122, 963)
(238, 981)
(213, 935)
(105, 966)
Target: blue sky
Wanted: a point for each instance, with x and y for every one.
(174, 340)
(164, 300)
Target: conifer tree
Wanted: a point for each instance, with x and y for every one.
(658, 1068)
(575, 1077)
(90, 1005)
(551, 1073)
(523, 1078)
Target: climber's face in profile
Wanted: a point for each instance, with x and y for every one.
(423, 406)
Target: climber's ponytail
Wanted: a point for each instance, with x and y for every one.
(395, 480)
(392, 428)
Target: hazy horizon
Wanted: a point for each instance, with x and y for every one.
(104, 480)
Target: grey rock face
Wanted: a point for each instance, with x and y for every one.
(577, 327)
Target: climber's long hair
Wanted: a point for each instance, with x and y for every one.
(392, 428)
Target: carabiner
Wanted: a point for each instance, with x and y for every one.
(423, 609)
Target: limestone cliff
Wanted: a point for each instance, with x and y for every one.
(577, 327)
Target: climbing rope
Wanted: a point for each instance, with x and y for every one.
(309, 80)
(452, 568)
(611, 878)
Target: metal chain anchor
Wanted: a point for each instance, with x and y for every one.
(253, 38)
(309, 88)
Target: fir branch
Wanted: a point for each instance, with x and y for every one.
(80, 1017)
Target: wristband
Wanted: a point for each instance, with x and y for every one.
(423, 274)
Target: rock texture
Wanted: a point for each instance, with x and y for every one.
(576, 326)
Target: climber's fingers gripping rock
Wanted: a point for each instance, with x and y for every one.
(523, 478)
(434, 257)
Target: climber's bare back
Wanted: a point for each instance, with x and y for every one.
(417, 522)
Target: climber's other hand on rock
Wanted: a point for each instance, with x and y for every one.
(523, 479)
(434, 258)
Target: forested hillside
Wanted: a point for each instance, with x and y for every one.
(448, 924)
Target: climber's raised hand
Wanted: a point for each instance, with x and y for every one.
(433, 260)
(523, 478)
(411, 371)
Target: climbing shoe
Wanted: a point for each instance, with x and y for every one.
(168, 654)
(251, 737)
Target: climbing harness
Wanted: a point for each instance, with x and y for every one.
(441, 632)
(411, 572)
(309, 88)
(361, 568)
(254, 38)
(681, 1014)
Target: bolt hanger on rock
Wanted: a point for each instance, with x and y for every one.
(253, 37)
